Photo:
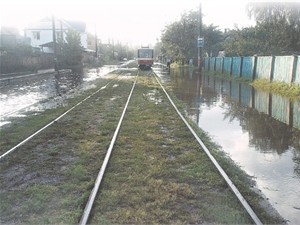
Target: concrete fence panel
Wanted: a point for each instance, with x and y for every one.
(283, 69)
(273, 68)
(247, 67)
(206, 63)
(264, 67)
(219, 64)
(227, 65)
(212, 64)
(236, 66)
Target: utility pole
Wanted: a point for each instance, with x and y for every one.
(61, 31)
(96, 42)
(54, 43)
(113, 51)
(200, 40)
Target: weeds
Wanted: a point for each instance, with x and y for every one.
(292, 91)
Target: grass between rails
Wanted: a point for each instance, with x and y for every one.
(157, 173)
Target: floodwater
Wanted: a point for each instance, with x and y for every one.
(260, 132)
(33, 93)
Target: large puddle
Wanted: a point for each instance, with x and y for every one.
(35, 93)
(260, 132)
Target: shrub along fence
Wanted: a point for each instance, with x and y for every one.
(273, 68)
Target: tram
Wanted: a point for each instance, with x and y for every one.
(145, 57)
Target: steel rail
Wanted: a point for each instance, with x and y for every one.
(16, 111)
(240, 197)
(49, 124)
(91, 200)
(22, 76)
(13, 112)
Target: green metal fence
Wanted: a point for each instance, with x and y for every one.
(273, 68)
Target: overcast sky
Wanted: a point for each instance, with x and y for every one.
(127, 21)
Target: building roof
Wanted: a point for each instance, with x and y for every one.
(77, 25)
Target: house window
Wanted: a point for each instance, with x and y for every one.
(36, 35)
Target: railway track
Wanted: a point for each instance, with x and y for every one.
(9, 151)
(18, 110)
(47, 100)
(89, 206)
(95, 195)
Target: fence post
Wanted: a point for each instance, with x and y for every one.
(254, 68)
(231, 65)
(272, 68)
(222, 67)
(295, 61)
(241, 66)
(215, 64)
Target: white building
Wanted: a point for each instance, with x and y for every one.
(41, 33)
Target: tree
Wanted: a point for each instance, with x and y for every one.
(213, 39)
(280, 23)
(179, 39)
(70, 52)
(243, 42)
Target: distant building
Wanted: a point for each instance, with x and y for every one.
(91, 42)
(10, 37)
(41, 33)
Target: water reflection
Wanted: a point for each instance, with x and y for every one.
(21, 93)
(258, 130)
(37, 93)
